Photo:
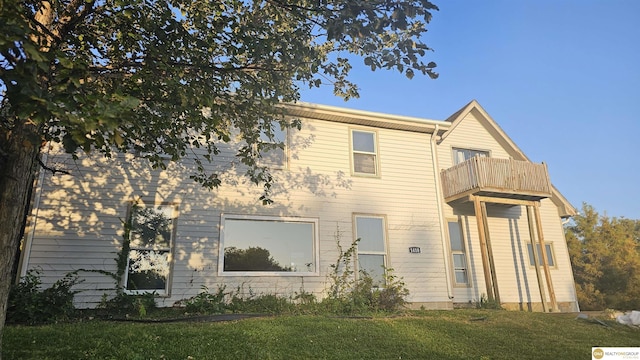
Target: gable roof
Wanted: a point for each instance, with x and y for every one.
(564, 206)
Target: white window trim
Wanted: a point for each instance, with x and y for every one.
(376, 153)
(465, 253)
(316, 247)
(550, 246)
(385, 240)
(125, 279)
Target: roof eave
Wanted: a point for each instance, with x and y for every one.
(365, 118)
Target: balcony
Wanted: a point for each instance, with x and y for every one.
(503, 178)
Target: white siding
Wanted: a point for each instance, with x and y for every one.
(508, 231)
(79, 221)
(78, 224)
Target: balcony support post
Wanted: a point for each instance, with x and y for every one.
(492, 263)
(543, 249)
(536, 259)
(488, 279)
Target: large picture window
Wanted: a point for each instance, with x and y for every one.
(365, 157)
(150, 243)
(268, 245)
(372, 253)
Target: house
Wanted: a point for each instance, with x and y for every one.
(454, 207)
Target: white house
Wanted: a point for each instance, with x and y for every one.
(453, 206)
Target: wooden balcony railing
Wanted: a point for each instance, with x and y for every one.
(496, 177)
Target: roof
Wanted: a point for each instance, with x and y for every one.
(365, 118)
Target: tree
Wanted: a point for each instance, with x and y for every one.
(605, 255)
(164, 76)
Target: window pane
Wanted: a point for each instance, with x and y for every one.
(373, 265)
(455, 236)
(461, 155)
(364, 141)
(531, 259)
(273, 156)
(370, 231)
(364, 163)
(148, 270)
(261, 245)
(461, 277)
(547, 247)
(151, 227)
(459, 261)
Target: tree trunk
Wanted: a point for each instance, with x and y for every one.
(19, 151)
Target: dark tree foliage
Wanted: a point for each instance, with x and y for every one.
(605, 255)
(165, 77)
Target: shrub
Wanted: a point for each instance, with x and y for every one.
(206, 302)
(124, 304)
(349, 295)
(28, 304)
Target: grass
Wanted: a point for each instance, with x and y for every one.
(458, 334)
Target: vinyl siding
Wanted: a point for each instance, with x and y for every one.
(509, 233)
(79, 219)
(78, 225)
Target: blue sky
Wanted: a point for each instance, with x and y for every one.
(561, 77)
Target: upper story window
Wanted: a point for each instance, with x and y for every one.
(372, 253)
(265, 245)
(365, 155)
(150, 246)
(273, 151)
(461, 155)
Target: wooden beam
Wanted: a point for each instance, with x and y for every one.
(505, 201)
(483, 248)
(536, 259)
(543, 249)
(492, 266)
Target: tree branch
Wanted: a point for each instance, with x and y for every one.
(53, 170)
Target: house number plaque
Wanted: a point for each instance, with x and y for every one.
(414, 250)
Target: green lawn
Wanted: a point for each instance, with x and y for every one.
(459, 334)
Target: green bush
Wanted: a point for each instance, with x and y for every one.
(126, 304)
(29, 304)
(349, 294)
(206, 302)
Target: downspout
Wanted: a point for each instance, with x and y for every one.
(439, 200)
(25, 254)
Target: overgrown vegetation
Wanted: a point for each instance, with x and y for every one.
(30, 304)
(605, 255)
(346, 295)
(350, 294)
(485, 303)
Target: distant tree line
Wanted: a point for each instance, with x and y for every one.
(605, 254)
